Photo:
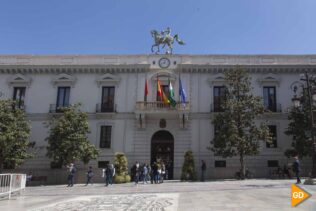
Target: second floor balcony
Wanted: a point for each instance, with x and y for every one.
(53, 108)
(158, 106)
(105, 108)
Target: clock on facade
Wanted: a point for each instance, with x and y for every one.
(164, 62)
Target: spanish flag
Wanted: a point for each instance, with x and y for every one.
(164, 98)
(159, 92)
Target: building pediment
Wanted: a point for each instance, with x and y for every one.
(64, 80)
(269, 79)
(19, 80)
(107, 79)
(163, 76)
(217, 80)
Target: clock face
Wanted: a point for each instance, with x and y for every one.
(164, 63)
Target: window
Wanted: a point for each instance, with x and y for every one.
(18, 96)
(165, 89)
(273, 133)
(105, 137)
(103, 164)
(219, 98)
(273, 163)
(107, 101)
(269, 98)
(220, 163)
(63, 97)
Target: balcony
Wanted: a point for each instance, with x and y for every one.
(216, 108)
(157, 106)
(105, 108)
(53, 108)
(274, 108)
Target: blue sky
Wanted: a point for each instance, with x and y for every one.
(123, 27)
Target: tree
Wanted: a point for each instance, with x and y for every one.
(237, 134)
(188, 168)
(298, 128)
(14, 135)
(67, 141)
(121, 168)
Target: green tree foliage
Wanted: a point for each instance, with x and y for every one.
(14, 135)
(188, 168)
(238, 135)
(121, 168)
(67, 141)
(299, 129)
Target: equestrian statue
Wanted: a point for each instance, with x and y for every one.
(164, 38)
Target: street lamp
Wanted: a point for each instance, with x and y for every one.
(311, 95)
(296, 101)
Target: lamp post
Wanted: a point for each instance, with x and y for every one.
(311, 95)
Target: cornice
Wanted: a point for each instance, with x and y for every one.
(193, 68)
(91, 116)
(71, 69)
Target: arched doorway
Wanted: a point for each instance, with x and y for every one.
(162, 149)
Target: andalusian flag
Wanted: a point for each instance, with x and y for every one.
(171, 95)
(146, 90)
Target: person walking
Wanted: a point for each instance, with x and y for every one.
(71, 174)
(145, 174)
(89, 176)
(203, 170)
(297, 169)
(109, 175)
(155, 172)
(163, 172)
(137, 173)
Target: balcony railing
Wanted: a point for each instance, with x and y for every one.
(274, 109)
(160, 106)
(53, 108)
(105, 108)
(216, 108)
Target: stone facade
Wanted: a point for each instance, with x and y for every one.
(134, 123)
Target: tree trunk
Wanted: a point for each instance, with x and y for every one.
(242, 167)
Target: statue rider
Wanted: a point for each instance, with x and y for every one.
(166, 33)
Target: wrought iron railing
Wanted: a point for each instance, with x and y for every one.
(158, 105)
(53, 108)
(105, 108)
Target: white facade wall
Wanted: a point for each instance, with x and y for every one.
(198, 75)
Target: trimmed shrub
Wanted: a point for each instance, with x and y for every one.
(188, 168)
(121, 170)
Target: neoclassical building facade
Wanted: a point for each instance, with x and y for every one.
(111, 90)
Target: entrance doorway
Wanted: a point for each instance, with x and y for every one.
(162, 149)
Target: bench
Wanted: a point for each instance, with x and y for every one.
(36, 180)
(39, 178)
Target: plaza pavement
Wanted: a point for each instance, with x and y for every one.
(255, 194)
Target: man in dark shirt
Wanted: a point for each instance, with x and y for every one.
(203, 169)
(297, 169)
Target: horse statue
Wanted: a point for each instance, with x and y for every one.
(164, 38)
